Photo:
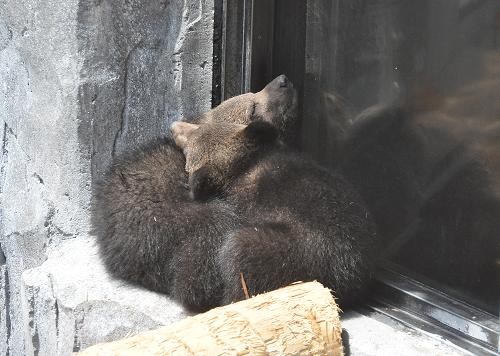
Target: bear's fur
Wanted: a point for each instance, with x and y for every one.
(298, 220)
(276, 104)
(150, 232)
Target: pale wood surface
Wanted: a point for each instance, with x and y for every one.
(301, 319)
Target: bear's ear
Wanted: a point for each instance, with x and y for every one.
(261, 132)
(200, 185)
(181, 131)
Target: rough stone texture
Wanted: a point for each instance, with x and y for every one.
(81, 81)
(43, 190)
(71, 303)
(4, 325)
(145, 65)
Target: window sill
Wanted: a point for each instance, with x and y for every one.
(376, 334)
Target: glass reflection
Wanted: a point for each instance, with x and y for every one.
(409, 107)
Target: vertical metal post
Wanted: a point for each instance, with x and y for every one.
(246, 53)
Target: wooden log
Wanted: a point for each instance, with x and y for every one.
(301, 319)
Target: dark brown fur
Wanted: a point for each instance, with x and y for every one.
(276, 104)
(299, 221)
(150, 231)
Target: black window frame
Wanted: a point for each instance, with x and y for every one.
(245, 60)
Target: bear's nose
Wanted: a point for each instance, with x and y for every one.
(282, 81)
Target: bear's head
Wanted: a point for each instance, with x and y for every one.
(216, 153)
(275, 104)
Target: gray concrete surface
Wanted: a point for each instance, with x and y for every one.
(71, 303)
(370, 337)
(81, 81)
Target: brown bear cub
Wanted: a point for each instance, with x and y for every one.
(150, 232)
(297, 221)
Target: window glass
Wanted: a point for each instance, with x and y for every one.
(404, 97)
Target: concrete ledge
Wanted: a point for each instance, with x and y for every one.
(70, 303)
(370, 337)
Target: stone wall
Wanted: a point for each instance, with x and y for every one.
(81, 81)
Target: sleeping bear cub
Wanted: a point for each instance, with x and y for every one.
(298, 221)
(149, 230)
